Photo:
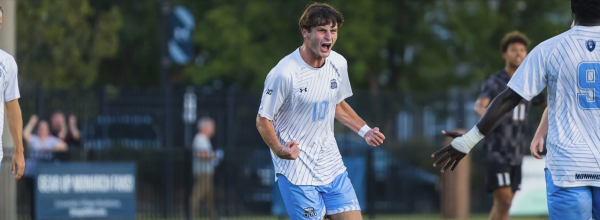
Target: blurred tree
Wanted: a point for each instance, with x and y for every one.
(411, 46)
(136, 60)
(417, 47)
(240, 41)
(463, 46)
(399, 45)
(61, 43)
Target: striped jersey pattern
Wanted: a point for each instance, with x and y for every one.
(569, 65)
(301, 102)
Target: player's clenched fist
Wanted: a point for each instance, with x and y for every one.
(374, 138)
(289, 151)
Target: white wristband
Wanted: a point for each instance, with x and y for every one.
(466, 142)
(364, 130)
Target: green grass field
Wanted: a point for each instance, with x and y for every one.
(379, 217)
(436, 217)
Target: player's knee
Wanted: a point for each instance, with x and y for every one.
(503, 202)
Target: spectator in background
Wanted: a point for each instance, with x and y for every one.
(43, 143)
(69, 134)
(41, 147)
(205, 160)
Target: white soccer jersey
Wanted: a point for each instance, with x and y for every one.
(9, 86)
(569, 64)
(301, 101)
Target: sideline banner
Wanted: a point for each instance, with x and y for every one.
(85, 190)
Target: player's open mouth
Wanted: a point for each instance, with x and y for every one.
(326, 46)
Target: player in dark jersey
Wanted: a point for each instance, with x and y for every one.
(505, 144)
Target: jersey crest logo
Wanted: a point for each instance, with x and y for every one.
(333, 84)
(590, 45)
(309, 212)
(269, 91)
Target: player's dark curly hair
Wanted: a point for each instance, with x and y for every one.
(586, 9)
(318, 14)
(513, 37)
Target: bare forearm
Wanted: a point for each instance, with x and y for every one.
(60, 147)
(15, 124)
(267, 131)
(347, 116)
(542, 130)
(62, 134)
(502, 104)
(74, 132)
(27, 130)
(481, 106)
(206, 155)
(480, 110)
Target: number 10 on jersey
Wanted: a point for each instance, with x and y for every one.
(319, 110)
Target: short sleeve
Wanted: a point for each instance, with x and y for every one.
(202, 143)
(345, 89)
(530, 79)
(197, 142)
(11, 84)
(488, 89)
(277, 88)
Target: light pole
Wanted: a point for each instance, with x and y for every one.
(8, 186)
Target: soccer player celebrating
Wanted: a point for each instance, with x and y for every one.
(505, 144)
(303, 94)
(10, 102)
(569, 65)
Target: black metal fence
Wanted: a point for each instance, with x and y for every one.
(131, 124)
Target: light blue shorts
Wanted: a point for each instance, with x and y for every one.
(565, 203)
(313, 202)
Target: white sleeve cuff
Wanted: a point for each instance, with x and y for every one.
(344, 97)
(518, 90)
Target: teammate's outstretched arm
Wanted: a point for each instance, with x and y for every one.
(265, 127)
(462, 144)
(537, 144)
(345, 114)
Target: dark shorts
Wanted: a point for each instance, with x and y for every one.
(503, 175)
